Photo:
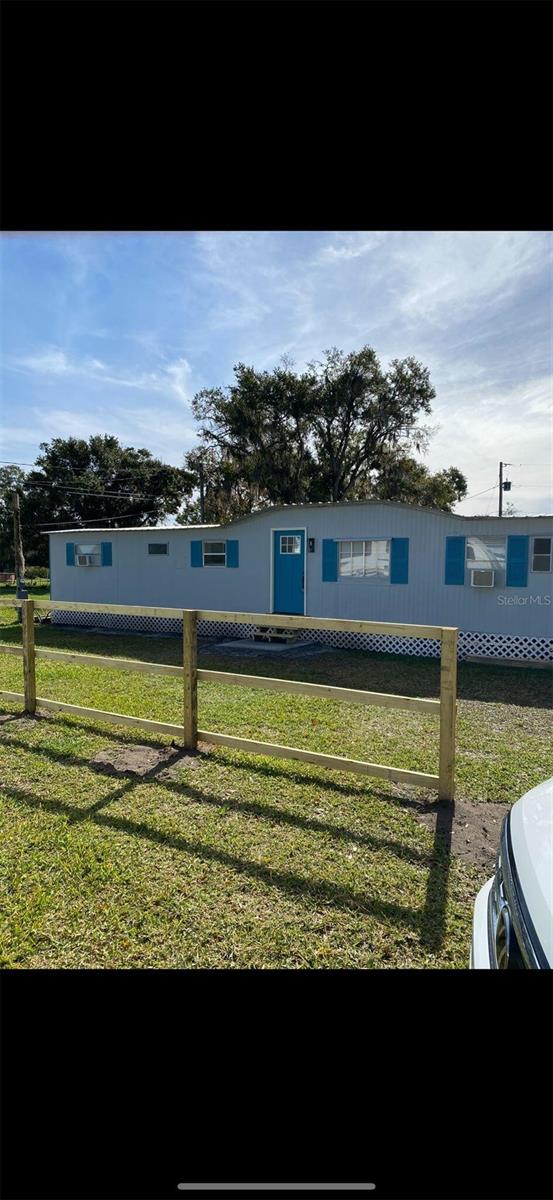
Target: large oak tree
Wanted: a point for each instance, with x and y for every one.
(343, 429)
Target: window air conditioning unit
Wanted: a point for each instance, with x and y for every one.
(482, 578)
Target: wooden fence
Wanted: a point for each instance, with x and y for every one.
(445, 707)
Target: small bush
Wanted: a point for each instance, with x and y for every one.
(37, 573)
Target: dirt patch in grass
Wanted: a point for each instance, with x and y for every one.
(22, 721)
(143, 761)
(471, 830)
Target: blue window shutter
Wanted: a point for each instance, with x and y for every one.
(106, 554)
(70, 554)
(399, 560)
(454, 560)
(330, 560)
(196, 554)
(232, 553)
(517, 562)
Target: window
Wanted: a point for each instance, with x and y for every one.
(88, 555)
(290, 544)
(368, 558)
(486, 552)
(541, 554)
(215, 554)
(158, 547)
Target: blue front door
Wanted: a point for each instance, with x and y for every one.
(288, 570)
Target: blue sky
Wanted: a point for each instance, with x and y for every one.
(114, 333)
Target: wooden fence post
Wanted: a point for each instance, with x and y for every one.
(448, 713)
(190, 675)
(28, 632)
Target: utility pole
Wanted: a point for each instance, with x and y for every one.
(503, 486)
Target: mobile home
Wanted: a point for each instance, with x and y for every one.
(373, 560)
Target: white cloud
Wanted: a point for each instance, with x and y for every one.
(172, 434)
(464, 270)
(508, 424)
(51, 362)
(149, 340)
(60, 422)
(348, 246)
(14, 436)
(167, 434)
(173, 378)
(80, 254)
(218, 249)
(233, 266)
(179, 373)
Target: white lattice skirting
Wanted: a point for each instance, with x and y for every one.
(490, 645)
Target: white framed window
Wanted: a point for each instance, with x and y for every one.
(215, 554)
(541, 554)
(290, 543)
(88, 555)
(486, 553)
(370, 559)
(158, 547)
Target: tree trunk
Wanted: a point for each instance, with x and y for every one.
(17, 540)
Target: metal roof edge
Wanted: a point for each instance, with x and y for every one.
(283, 508)
(423, 508)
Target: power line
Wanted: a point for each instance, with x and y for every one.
(6, 462)
(489, 502)
(495, 485)
(482, 493)
(148, 467)
(63, 487)
(87, 520)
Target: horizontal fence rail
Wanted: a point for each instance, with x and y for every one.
(189, 732)
(276, 620)
(319, 691)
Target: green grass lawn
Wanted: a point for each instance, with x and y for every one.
(38, 589)
(243, 861)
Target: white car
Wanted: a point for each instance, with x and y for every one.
(512, 925)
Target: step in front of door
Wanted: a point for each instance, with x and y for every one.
(268, 633)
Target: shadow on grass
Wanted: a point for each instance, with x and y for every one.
(249, 763)
(314, 891)
(266, 812)
(434, 914)
(429, 923)
(323, 779)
